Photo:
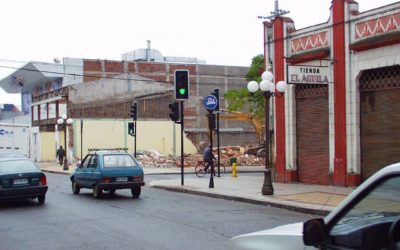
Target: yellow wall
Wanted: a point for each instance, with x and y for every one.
(104, 133)
(48, 145)
(159, 135)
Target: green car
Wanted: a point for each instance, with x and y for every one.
(108, 170)
(21, 179)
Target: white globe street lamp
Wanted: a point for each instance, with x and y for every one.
(268, 76)
(64, 120)
(267, 87)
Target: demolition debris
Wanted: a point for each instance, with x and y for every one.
(153, 158)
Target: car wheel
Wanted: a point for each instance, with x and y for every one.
(135, 192)
(75, 188)
(41, 199)
(97, 192)
(111, 192)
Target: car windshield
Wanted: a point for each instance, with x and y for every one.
(115, 160)
(381, 204)
(17, 166)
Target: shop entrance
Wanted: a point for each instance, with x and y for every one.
(379, 118)
(312, 120)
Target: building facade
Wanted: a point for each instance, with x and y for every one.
(338, 122)
(99, 93)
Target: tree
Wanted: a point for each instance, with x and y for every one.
(242, 99)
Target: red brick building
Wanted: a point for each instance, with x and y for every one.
(339, 121)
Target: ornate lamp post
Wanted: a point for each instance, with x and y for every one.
(268, 90)
(65, 121)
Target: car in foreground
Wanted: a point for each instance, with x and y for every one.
(20, 178)
(108, 170)
(369, 218)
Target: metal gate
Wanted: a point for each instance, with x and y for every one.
(312, 119)
(379, 118)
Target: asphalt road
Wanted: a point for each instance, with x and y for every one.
(157, 220)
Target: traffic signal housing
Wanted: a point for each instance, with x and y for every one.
(131, 128)
(134, 109)
(216, 94)
(181, 84)
(174, 115)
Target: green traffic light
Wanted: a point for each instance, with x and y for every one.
(182, 91)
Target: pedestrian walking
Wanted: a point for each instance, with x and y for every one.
(60, 155)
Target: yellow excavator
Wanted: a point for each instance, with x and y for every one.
(255, 122)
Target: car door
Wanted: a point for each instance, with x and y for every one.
(92, 174)
(80, 172)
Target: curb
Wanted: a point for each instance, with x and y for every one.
(55, 172)
(192, 172)
(241, 199)
(166, 173)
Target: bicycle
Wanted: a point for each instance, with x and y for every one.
(201, 165)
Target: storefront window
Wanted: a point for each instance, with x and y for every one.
(35, 113)
(43, 111)
(52, 110)
(62, 109)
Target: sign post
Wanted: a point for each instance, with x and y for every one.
(210, 103)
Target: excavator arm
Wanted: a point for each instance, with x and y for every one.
(245, 117)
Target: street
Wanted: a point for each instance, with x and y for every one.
(157, 220)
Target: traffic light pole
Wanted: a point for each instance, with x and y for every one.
(218, 146)
(135, 136)
(134, 115)
(182, 153)
(216, 94)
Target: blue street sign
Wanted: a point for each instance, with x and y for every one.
(210, 102)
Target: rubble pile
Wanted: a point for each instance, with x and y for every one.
(153, 158)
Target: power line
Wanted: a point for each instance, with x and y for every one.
(316, 28)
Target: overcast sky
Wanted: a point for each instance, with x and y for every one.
(222, 32)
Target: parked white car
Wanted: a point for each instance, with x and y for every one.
(369, 218)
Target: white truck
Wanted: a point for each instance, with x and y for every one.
(15, 138)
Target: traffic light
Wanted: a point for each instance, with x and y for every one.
(134, 111)
(216, 94)
(174, 115)
(131, 128)
(181, 84)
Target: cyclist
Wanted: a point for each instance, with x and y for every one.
(207, 157)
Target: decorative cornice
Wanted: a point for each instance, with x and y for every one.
(377, 26)
(374, 42)
(309, 42)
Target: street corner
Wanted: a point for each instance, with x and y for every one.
(55, 168)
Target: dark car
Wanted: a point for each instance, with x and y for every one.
(108, 170)
(20, 178)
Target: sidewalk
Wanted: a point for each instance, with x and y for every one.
(313, 199)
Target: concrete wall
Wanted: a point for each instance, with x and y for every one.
(22, 119)
(108, 133)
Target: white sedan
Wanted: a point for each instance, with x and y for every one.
(369, 218)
